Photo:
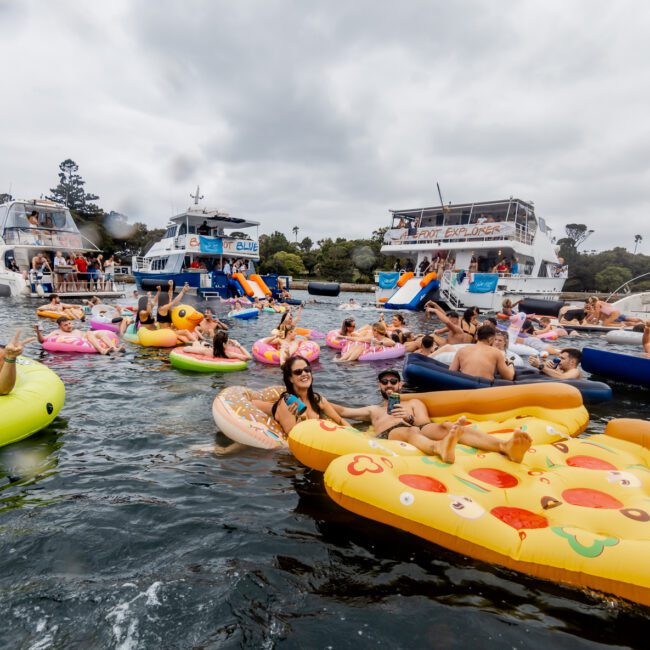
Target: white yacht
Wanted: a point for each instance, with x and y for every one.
(481, 252)
(43, 226)
(195, 248)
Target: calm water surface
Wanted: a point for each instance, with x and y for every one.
(127, 524)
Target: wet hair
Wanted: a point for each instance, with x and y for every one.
(507, 303)
(380, 327)
(545, 319)
(492, 321)
(219, 344)
(400, 318)
(397, 336)
(347, 322)
(62, 319)
(639, 327)
(287, 369)
(573, 353)
(427, 341)
(452, 314)
(528, 326)
(485, 332)
(54, 296)
(283, 318)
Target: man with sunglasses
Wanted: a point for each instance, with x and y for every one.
(409, 421)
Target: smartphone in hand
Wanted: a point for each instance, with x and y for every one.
(393, 400)
(292, 399)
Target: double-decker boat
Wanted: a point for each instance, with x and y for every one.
(28, 228)
(481, 253)
(195, 249)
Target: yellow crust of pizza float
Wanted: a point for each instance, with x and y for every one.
(575, 511)
(547, 412)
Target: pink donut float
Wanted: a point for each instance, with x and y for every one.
(553, 334)
(378, 352)
(68, 343)
(98, 324)
(333, 341)
(265, 353)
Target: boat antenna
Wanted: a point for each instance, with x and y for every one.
(638, 277)
(445, 209)
(198, 196)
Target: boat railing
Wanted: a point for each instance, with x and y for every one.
(139, 263)
(49, 237)
(72, 281)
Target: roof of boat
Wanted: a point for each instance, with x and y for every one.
(467, 206)
(196, 215)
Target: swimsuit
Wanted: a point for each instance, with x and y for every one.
(384, 434)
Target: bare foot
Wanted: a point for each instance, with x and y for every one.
(446, 448)
(462, 421)
(517, 446)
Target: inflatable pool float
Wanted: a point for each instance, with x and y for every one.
(448, 356)
(184, 360)
(548, 413)
(377, 352)
(236, 416)
(323, 288)
(265, 353)
(623, 368)
(575, 512)
(522, 350)
(34, 402)
(429, 374)
(105, 317)
(244, 314)
(162, 338)
(624, 337)
(270, 310)
(46, 313)
(185, 317)
(333, 341)
(70, 343)
(312, 334)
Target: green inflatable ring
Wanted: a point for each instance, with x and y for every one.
(200, 363)
(34, 402)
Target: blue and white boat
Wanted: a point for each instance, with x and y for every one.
(196, 247)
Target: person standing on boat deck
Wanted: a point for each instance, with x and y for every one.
(514, 269)
(60, 269)
(82, 271)
(424, 265)
(408, 267)
(203, 229)
(40, 263)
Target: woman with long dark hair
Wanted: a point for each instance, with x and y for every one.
(299, 383)
(469, 321)
(222, 348)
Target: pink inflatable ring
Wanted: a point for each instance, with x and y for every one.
(265, 353)
(69, 343)
(378, 352)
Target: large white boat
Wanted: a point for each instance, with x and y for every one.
(196, 246)
(42, 226)
(482, 253)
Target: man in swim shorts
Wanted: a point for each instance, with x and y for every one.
(409, 422)
(451, 321)
(101, 340)
(566, 368)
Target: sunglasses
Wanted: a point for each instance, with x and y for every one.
(298, 372)
(392, 382)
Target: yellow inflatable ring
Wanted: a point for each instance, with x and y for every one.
(34, 402)
(547, 412)
(46, 313)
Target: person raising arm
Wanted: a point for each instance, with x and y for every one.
(8, 355)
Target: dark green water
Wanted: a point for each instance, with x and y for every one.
(124, 525)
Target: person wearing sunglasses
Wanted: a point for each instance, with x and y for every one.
(298, 382)
(409, 421)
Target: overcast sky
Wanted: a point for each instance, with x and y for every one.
(325, 115)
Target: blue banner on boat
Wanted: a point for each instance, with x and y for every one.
(387, 280)
(209, 245)
(484, 283)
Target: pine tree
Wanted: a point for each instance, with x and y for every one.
(70, 190)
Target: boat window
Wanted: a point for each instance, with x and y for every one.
(3, 216)
(192, 230)
(159, 264)
(171, 231)
(182, 230)
(55, 219)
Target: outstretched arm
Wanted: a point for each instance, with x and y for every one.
(505, 369)
(12, 350)
(363, 413)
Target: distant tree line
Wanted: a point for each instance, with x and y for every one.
(601, 270)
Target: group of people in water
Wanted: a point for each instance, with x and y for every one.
(597, 312)
(484, 355)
